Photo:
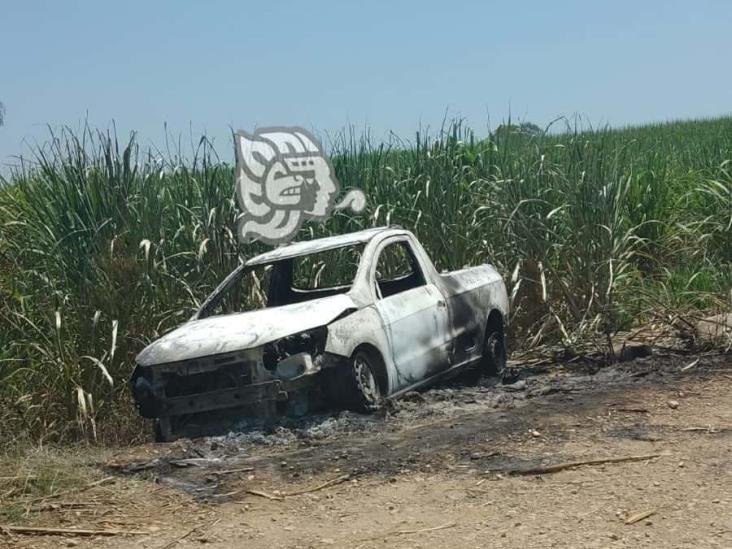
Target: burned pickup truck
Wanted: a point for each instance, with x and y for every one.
(350, 320)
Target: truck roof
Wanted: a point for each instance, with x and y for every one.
(295, 249)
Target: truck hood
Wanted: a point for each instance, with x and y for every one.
(236, 332)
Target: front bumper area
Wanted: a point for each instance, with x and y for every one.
(214, 384)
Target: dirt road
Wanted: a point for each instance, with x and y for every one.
(445, 469)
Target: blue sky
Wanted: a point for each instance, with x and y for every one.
(208, 66)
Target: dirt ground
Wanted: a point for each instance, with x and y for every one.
(449, 467)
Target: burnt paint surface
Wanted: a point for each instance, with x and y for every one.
(419, 333)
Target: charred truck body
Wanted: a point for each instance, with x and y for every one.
(351, 319)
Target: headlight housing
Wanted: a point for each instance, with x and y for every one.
(289, 352)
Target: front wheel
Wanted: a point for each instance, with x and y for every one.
(366, 393)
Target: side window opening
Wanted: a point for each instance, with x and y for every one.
(397, 270)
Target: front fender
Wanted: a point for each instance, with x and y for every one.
(363, 327)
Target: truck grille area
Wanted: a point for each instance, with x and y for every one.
(229, 376)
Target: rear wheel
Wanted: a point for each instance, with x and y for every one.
(494, 358)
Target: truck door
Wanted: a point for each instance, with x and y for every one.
(414, 314)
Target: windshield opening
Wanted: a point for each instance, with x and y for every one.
(292, 280)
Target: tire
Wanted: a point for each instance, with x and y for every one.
(363, 379)
(494, 359)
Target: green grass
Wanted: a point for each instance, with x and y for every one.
(104, 247)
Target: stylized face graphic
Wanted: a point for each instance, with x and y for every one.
(304, 183)
(283, 178)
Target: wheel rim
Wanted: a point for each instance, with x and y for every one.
(366, 380)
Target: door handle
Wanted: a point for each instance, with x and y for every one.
(441, 303)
